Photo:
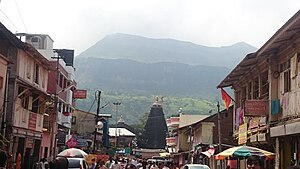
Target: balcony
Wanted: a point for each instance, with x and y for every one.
(168, 121)
(174, 121)
(171, 141)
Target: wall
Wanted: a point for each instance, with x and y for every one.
(25, 71)
(3, 71)
(26, 119)
(85, 122)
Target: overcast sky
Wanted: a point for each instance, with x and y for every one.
(75, 24)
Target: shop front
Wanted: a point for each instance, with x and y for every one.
(287, 137)
(27, 144)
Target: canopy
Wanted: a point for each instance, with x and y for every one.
(73, 152)
(244, 152)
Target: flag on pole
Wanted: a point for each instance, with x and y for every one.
(226, 98)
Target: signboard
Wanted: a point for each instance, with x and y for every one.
(29, 143)
(79, 94)
(32, 121)
(242, 134)
(256, 107)
(72, 142)
(261, 137)
(254, 122)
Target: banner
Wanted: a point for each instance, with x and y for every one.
(242, 134)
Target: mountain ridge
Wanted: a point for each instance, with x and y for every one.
(151, 50)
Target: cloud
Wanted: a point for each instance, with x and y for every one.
(80, 24)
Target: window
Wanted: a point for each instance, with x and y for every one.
(285, 76)
(36, 73)
(238, 99)
(35, 103)
(25, 102)
(256, 88)
(1, 82)
(249, 91)
(61, 79)
(264, 85)
(73, 120)
(244, 93)
(28, 71)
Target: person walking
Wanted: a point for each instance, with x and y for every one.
(93, 164)
(254, 162)
(109, 162)
(115, 165)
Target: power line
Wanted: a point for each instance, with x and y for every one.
(9, 19)
(20, 15)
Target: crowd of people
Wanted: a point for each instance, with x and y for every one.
(133, 163)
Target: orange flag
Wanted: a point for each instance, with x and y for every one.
(226, 98)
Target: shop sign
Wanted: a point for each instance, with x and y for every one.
(82, 142)
(261, 137)
(32, 121)
(292, 128)
(253, 123)
(79, 94)
(29, 143)
(263, 121)
(277, 131)
(242, 134)
(253, 138)
(256, 107)
(72, 142)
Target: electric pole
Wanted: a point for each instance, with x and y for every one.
(219, 131)
(97, 116)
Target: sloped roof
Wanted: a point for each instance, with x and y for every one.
(186, 120)
(283, 37)
(120, 132)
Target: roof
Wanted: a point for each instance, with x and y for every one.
(120, 132)
(6, 34)
(94, 114)
(186, 120)
(283, 37)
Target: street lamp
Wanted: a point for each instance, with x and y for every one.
(116, 104)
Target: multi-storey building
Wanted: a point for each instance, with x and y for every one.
(266, 88)
(26, 97)
(61, 83)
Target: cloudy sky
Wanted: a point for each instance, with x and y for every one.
(75, 24)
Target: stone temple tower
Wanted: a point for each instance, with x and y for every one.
(155, 130)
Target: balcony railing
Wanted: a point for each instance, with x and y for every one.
(174, 121)
(171, 141)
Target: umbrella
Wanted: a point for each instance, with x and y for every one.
(73, 152)
(244, 152)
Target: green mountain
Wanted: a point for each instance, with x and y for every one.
(147, 50)
(162, 78)
(133, 70)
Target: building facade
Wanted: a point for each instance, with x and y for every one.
(27, 90)
(266, 87)
(60, 86)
